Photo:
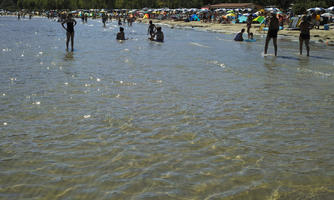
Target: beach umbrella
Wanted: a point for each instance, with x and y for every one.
(327, 15)
(230, 15)
(230, 11)
(330, 9)
(259, 19)
(271, 9)
(316, 9)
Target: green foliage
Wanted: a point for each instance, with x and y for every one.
(301, 6)
(7, 4)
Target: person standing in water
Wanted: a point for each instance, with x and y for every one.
(249, 24)
(304, 36)
(70, 23)
(272, 33)
(151, 30)
(104, 19)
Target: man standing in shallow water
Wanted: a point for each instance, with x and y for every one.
(272, 33)
(70, 23)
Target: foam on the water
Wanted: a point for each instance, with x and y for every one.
(199, 45)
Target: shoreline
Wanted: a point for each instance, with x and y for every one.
(319, 36)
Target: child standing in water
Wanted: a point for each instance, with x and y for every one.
(70, 23)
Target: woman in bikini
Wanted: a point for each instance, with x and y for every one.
(70, 23)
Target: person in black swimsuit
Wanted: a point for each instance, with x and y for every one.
(304, 36)
(151, 30)
(70, 23)
(272, 33)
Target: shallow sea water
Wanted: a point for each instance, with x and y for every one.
(196, 117)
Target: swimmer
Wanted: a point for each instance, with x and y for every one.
(304, 36)
(272, 33)
(151, 30)
(70, 23)
(120, 34)
(158, 35)
(239, 37)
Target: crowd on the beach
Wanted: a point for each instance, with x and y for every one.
(271, 19)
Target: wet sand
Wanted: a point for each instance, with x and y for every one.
(316, 35)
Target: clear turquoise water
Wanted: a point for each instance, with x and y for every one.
(197, 117)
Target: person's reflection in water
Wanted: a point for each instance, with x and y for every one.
(69, 56)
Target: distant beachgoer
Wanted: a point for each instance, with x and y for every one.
(249, 24)
(104, 19)
(86, 18)
(151, 29)
(239, 37)
(70, 23)
(119, 22)
(18, 16)
(305, 27)
(317, 20)
(272, 33)
(158, 35)
(83, 18)
(120, 34)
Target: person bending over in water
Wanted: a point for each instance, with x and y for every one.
(151, 30)
(304, 36)
(70, 23)
(158, 36)
(239, 37)
(272, 33)
(120, 34)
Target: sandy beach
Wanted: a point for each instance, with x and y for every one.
(323, 36)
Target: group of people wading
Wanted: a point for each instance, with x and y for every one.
(273, 29)
(155, 33)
